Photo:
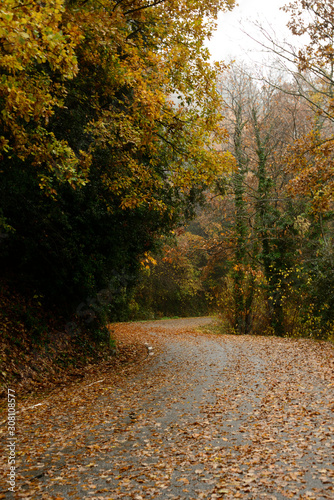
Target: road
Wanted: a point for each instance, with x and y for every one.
(198, 416)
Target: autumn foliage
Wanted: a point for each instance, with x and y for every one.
(115, 128)
(109, 127)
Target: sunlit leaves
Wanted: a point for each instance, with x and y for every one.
(37, 53)
(138, 59)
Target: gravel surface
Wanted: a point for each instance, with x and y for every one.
(200, 416)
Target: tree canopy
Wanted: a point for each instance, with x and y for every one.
(127, 62)
(110, 130)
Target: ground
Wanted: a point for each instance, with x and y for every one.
(195, 415)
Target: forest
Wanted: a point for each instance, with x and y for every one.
(139, 180)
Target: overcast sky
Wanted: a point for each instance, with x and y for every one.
(230, 42)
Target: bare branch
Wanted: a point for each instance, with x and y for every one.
(154, 4)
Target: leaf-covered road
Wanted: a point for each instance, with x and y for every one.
(199, 417)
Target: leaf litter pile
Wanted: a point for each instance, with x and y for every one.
(200, 416)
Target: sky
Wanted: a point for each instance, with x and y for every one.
(229, 42)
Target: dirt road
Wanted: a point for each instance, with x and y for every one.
(198, 416)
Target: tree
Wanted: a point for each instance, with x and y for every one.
(309, 74)
(122, 146)
(310, 159)
(236, 91)
(263, 229)
(136, 48)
